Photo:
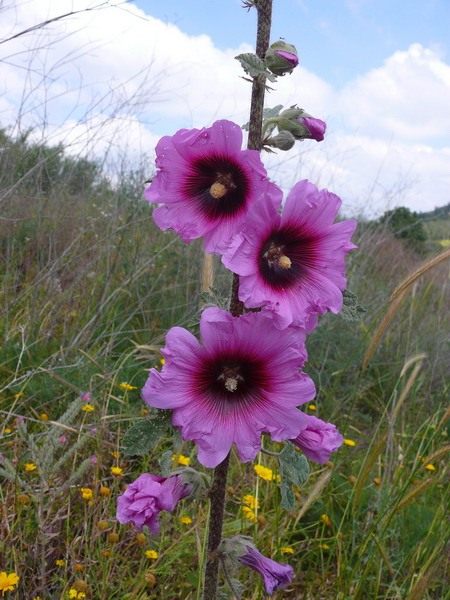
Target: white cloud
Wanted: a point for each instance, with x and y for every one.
(115, 79)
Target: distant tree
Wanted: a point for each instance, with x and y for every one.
(405, 225)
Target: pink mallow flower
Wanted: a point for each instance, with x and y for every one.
(293, 264)
(146, 497)
(205, 184)
(275, 575)
(318, 440)
(241, 380)
(316, 127)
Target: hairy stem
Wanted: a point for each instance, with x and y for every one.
(217, 493)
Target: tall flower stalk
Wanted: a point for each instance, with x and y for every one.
(243, 377)
(218, 489)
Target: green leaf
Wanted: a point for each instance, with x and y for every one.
(254, 66)
(165, 463)
(272, 112)
(294, 467)
(141, 437)
(287, 496)
(352, 310)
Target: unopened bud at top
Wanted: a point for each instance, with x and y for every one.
(281, 58)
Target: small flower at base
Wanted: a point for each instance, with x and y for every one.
(104, 491)
(126, 387)
(151, 554)
(88, 408)
(8, 581)
(86, 493)
(430, 467)
(181, 459)
(266, 473)
(250, 501)
(240, 549)
(43, 417)
(326, 520)
(29, 467)
(116, 471)
(249, 514)
(147, 496)
(281, 58)
(349, 442)
(287, 550)
(185, 520)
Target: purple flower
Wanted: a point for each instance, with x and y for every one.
(241, 380)
(205, 183)
(146, 497)
(86, 396)
(290, 57)
(63, 439)
(318, 440)
(293, 264)
(316, 127)
(275, 575)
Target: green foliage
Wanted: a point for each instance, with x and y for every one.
(294, 470)
(144, 435)
(406, 225)
(351, 309)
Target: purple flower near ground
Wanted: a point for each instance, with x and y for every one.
(316, 127)
(275, 575)
(146, 497)
(241, 380)
(293, 264)
(290, 57)
(205, 184)
(318, 440)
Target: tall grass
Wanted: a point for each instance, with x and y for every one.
(89, 286)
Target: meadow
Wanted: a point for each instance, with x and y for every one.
(89, 287)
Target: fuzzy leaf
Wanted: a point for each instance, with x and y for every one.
(272, 112)
(165, 463)
(287, 496)
(141, 437)
(294, 467)
(352, 310)
(254, 66)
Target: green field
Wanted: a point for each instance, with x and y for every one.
(89, 287)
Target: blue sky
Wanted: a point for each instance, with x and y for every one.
(336, 39)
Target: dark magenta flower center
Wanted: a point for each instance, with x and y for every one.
(233, 378)
(286, 255)
(219, 185)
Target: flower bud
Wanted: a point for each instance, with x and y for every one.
(281, 58)
(301, 124)
(283, 140)
(242, 550)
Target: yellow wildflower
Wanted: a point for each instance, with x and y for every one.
(151, 554)
(324, 546)
(86, 493)
(181, 459)
(60, 562)
(430, 467)
(88, 408)
(7, 430)
(29, 467)
(286, 550)
(377, 480)
(104, 491)
(250, 501)
(115, 454)
(312, 407)
(325, 520)
(116, 471)
(126, 387)
(185, 520)
(103, 525)
(249, 514)
(76, 595)
(8, 581)
(162, 361)
(266, 473)
(43, 417)
(349, 442)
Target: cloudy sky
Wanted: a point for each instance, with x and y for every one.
(110, 81)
